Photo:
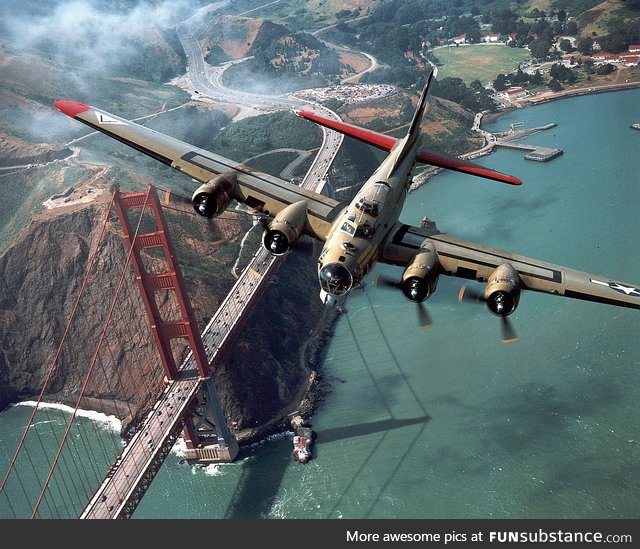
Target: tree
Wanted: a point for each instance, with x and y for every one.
(555, 85)
(500, 83)
(536, 78)
(476, 86)
(562, 74)
(565, 45)
(585, 45)
(540, 47)
(473, 35)
(562, 15)
(520, 77)
(608, 68)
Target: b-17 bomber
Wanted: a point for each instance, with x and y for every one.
(366, 230)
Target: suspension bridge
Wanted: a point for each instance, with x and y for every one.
(61, 467)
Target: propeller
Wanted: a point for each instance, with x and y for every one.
(424, 318)
(175, 200)
(182, 203)
(508, 331)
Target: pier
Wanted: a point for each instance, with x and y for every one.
(538, 154)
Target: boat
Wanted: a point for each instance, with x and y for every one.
(302, 437)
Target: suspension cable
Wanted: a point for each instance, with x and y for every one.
(95, 356)
(56, 358)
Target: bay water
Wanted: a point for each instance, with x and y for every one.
(449, 422)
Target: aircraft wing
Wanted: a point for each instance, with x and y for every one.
(263, 192)
(465, 259)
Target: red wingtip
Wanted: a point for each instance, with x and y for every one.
(71, 108)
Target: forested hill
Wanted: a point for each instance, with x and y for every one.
(396, 28)
(275, 53)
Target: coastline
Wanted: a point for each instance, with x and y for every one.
(573, 92)
(428, 173)
(110, 422)
(311, 394)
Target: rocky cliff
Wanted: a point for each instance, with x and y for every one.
(263, 377)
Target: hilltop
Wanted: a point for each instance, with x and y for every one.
(272, 52)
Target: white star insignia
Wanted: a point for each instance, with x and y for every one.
(620, 288)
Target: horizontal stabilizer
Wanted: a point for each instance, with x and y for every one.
(387, 142)
(380, 140)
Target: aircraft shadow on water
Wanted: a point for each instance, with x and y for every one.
(367, 230)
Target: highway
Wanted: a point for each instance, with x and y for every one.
(207, 82)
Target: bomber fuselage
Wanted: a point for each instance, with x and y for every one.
(361, 229)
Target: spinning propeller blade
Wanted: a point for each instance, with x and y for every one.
(424, 318)
(508, 331)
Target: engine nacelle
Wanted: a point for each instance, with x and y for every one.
(283, 232)
(213, 197)
(420, 278)
(502, 293)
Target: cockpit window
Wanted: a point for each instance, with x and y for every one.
(335, 279)
(368, 207)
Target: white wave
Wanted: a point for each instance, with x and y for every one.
(213, 470)
(111, 423)
(180, 447)
(43, 422)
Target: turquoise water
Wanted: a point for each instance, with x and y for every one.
(81, 465)
(448, 422)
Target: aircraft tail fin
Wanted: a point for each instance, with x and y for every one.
(408, 144)
(414, 128)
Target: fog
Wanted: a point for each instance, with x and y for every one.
(88, 34)
(79, 41)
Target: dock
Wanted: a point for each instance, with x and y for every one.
(538, 154)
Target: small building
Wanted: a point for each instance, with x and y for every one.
(629, 59)
(302, 437)
(491, 37)
(634, 48)
(515, 92)
(461, 39)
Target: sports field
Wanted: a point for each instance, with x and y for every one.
(478, 61)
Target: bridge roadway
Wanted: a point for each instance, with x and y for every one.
(131, 473)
